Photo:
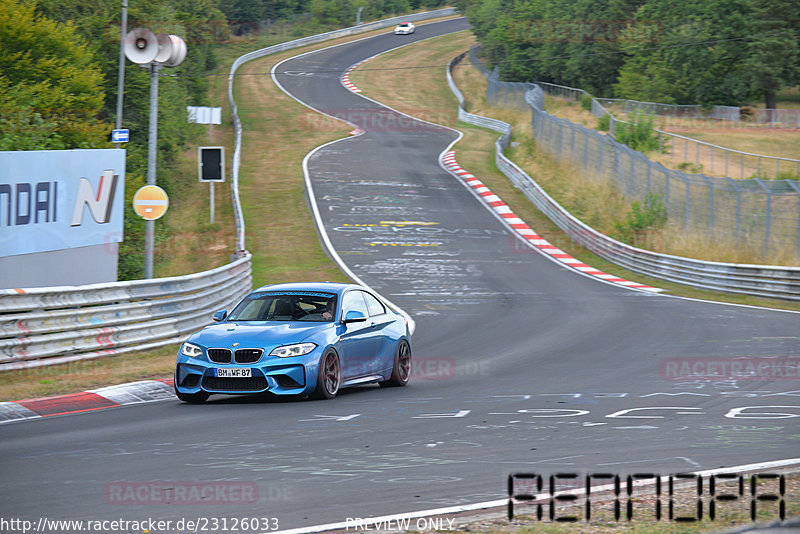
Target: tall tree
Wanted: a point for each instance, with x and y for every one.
(700, 58)
(567, 42)
(773, 54)
(50, 83)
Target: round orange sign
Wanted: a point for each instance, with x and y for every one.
(150, 202)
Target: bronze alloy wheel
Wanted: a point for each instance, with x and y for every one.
(329, 376)
(401, 371)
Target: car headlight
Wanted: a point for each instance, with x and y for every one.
(191, 350)
(287, 351)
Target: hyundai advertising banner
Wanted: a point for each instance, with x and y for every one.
(60, 199)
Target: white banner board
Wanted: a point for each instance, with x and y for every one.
(204, 115)
(60, 199)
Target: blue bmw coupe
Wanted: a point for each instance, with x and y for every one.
(296, 339)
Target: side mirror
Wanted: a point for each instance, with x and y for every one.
(354, 316)
(220, 315)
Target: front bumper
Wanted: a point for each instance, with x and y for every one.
(281, 376)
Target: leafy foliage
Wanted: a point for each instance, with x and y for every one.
(642, 219)
(95, 26)
(58, 76)
(604, 123)
(674, 51)
(343, 12)
(638, 134)
(586, 101)
(773, 55)
(50, 84)
(568, 42)
(700, 58)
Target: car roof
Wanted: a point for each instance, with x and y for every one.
(328, 287)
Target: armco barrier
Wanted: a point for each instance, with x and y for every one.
(44, 326)
(50, 325)
(757, 280)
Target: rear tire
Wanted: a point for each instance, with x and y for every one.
(329, 376)
(401, 370)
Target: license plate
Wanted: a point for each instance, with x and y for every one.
(232, 373)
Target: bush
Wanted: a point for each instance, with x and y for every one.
(586, 101)
(688, 166)
(604, 123)
(642, 219)
(638, 134)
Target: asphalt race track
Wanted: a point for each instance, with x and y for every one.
(521, 364)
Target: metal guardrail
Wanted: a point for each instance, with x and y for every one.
(757, 280)
(44, 326)
(51, 325)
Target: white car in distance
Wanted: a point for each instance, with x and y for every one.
(404, 28)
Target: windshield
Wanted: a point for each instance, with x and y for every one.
(286, 306)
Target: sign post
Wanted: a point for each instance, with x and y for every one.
(211, 168)
(211, 159)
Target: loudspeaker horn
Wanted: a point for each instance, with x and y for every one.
(141, 45)
(164, 48)
(178, 52)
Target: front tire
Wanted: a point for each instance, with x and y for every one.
(401, 370)
(193, 398)
(329, 376)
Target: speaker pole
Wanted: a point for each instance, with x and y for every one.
(121, 78)
(145, 48)
(152, 154)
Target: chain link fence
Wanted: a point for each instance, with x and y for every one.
(721, 113)
(720, 116)
(743, 212)
(714, 159)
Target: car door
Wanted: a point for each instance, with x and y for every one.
(355, 351)
(380, 345)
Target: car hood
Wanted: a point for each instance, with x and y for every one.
(260, 334)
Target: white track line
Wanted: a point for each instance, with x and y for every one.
(367, 521)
